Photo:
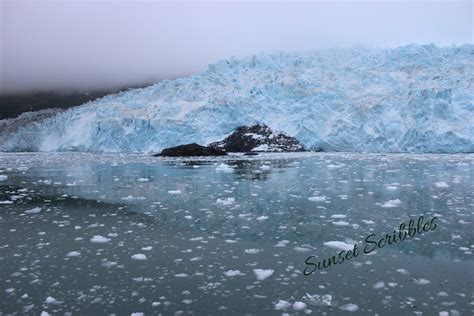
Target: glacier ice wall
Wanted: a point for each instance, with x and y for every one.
(408, 99)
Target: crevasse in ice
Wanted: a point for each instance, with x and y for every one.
(415, 98)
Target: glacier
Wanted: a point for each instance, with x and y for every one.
(414, 98)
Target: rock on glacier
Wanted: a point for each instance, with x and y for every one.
(408, 99)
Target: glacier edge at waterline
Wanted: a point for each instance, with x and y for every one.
(415, 98)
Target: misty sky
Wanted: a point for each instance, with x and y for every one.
(88, 45)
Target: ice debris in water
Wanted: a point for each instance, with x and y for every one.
(224, 168)
(139, 256)
(392, 203)
(3, 177)
(262, 274)
(339, 245)
(33, 210)
(349, 307)
(99, 239)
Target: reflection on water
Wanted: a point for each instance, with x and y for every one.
(186, 235)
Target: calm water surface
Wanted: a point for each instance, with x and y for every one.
(121, 234)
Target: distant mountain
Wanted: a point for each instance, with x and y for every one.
(408, 99)
(12, 105)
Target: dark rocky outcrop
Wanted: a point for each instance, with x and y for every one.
(189, 150)
(257, 138)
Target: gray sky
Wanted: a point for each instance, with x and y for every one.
(53, 45)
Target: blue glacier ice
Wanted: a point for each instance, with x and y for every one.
(415, 98)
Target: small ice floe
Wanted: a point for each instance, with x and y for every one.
(333, 166)
(421, 281)
(368, 222)
(282, 305)
(143, 180)
(137, 314)
(3, 177)
(262, 218)
(265, 167)
(441, 184)
(188, 217)
(174, 192)
(262, 274)
(73, 254)
(299, 306)
(318, 300)
(181, 275)
(147, 248)
(321, 198)
(33, 210)
(224, 168)
(391, 187)
(340, 223)
(128, 198)
(233, 273)
(350, 307)
(301, 249)
(139, 256)
(392, 203)
(379, 285)
(97, 239)
(44, 313)
(339, 245)
(338, 216)
(6, 202)
(282, 243)
(226, 201)
(51, 300)
(252, 251)
(443, 313)
(402, 271)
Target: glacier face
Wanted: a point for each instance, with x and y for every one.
(408, 99)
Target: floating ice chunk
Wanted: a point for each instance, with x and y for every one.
(262, 218)
(137, 314)
(252, 251)
(44, 313)
(6, 202)
(299, 306)
(443, 313)
(224, 168)
(441, 184)
(174, 192)
(349, 307)
(338, 216)
(317, 198)
(265, 167)
(339, 245)
(139, 256)
(319, 300)
(128, 198)
(262, 274)
(421, 281)
(379, 285)
(181, 275)
(147, 248)
(73, 254)
(301, 249)
(392, 203)
(99, 239)
(226, 201)
(232, 273)
(3, 177)
(368, 222)
(391, 187)
(341, 223)
(282, 305)
(402, 271)
(33, 210)
(51, 300)
(143, 179)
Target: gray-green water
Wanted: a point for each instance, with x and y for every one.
(102, 234)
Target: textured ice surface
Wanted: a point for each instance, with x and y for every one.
(408, 99)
